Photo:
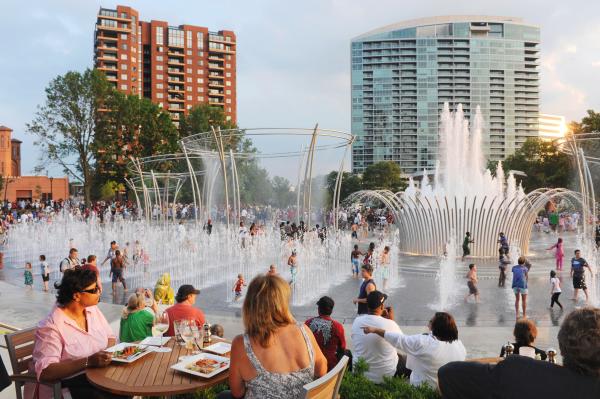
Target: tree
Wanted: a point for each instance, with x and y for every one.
(350, 183)
(131, 127)
(201, 117)
(384, 175)
(590, 124)
(283, 195)
(65, 124)
(110, 189)
(543, 163)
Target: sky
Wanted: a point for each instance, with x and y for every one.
(293, 57)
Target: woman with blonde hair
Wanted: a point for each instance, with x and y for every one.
(276, 356)
(136, 322)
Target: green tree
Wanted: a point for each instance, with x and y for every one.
(110, 189)
(201, 117)
(543, 163)
(65, 125)
(384, 175)
(131, 127)
(350, 183)
(282, 192)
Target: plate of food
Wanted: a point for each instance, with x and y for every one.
(204, 365)
(219, 348)
(126, 352)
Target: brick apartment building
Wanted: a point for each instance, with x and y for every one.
(175, 67)
(28, 188)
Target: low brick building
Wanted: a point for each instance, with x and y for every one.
(17, 187)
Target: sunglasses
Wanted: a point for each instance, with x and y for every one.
(94, 290)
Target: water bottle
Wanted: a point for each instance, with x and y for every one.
(207, 339)
(552, 355)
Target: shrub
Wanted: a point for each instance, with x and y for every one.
(356, 386)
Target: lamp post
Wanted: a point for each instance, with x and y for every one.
(51, 191)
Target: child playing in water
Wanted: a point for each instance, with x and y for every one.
(28, 276)
(554, 289)
(293, 264)
(355, 261)
(237, 287)
(44, 271)
(472, 283)
(559, 253)
(384, 262)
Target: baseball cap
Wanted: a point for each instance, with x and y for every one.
(184, 291)
(375, 299)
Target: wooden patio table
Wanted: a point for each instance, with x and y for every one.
(152, 375)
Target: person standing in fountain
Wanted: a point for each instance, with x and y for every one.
(519, 286)
(503, 241)
(472, 283)
(465, 246)
(117, 268)
(367, 286)
(578, 265)
(355, 261)
(293, 264)
(384, 261)
(208, 227)
(559, 253)
(504, 261)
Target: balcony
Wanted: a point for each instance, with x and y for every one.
(175, 71)
(112, 28)
(173, 89)
(215, 66)
(107, 68)
(173, 61)
(212, 83)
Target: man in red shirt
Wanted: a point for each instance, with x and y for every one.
(328, 333)
(91, 265)
(184, 308)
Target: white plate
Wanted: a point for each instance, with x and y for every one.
(155, 341)
(132, 358)
(220, 348)
(181, 366)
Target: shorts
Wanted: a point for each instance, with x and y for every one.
(354, 235)
(519, 290)
(238, 294)
(355, 265)
(472, 288)
(385, 272)
(117, 275)
(466, 251)
(579, 282)
(45, 277)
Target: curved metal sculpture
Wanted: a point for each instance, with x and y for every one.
(427, 224)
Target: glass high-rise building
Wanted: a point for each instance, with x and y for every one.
(403, 73)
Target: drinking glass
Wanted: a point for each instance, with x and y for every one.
(197, 332)
(187, 335)
(159, 327)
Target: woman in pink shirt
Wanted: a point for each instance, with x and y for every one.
(72, 338)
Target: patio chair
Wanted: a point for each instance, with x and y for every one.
(327, 387)
(20, 350)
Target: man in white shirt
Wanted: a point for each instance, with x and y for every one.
(379, 354)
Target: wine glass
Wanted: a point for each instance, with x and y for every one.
(187, 335)
(159, 327)
(197, 332)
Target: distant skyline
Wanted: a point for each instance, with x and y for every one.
(293, 57)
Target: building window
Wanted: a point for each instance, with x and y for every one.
(200, 53)
(189, 98)
(159, 58)
(228, 83)
(189, 70)
(200, 71)
(188, 39)
(124, 67)
(188, 79)
(227, 91)
(228, 57)
(188, 52)
(200, 89)
(188, 61)
(159, 86)
(124, 76)
(108, 22)
(200, 62)
(228, 74)
(227, 65)
(228, 101)
(159, 35)
(200, 80)
(200, 39)
(123, 36)
(228, 117)
(159, 95)
(159, 77)
(188, 88)
(200, 98)
(124, 46)
(175, 37)
(109, 13)
(123, 56)
(159, 67)
(123, 87)
(124, 15)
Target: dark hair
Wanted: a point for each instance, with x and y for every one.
(325, 306)
(74, 280)
(117, 253)
(42, 257)
(559, 239)
(367, 268)
(72, 250)
(443, 327)
(371, 246)
(472, 265)
(576, 251)
(525, 332)
(113, 242)
(521, 260)
(579, 341)
(552, 273)
(355, 246)
(91, 258)
(467, 233)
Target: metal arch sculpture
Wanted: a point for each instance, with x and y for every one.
(202, 145)
(426, 224)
